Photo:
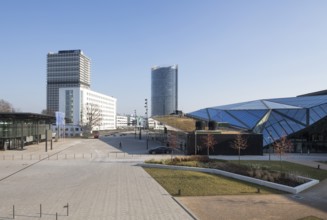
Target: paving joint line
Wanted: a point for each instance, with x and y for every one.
(184, 208)
(6, 177)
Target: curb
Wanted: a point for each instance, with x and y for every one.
(289, 189)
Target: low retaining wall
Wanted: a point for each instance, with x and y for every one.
(289, 189)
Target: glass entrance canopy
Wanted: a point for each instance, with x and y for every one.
(274, 118)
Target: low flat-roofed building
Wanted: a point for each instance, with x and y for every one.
(20, 129)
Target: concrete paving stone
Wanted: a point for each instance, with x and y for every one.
(97, 188)
(99, 180)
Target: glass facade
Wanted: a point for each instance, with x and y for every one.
(164, 90)
(273, 118)
(67, 68)
(69, 99)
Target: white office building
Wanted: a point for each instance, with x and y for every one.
(83, 106)
(122, 121)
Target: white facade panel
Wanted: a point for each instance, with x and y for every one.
(74, 101)
(122, 121)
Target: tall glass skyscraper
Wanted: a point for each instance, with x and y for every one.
(67, 68)
(164, 90)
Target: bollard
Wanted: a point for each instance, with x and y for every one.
(56, 215)
(40, 210)
(179, 192)
(318, 167)
(258, 190)
(13, 211)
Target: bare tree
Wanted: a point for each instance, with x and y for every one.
(173, 142)
(239, 144)
(45, 112)
(6, 106)
(281, 147)
(91, 117)
(209, 142)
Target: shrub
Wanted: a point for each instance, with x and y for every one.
(200, 158)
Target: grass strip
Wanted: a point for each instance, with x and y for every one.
(287, 167)
(191, 183)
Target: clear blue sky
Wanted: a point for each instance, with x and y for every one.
(227, 51)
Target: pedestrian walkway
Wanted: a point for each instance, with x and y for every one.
(95, 188)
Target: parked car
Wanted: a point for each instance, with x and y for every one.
(161, 150)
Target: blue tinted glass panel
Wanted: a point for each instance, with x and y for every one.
(291, 126)
(297, 114)
(258, 113)
(274, 136)
(228, 107)
(324, 107)
(279, 130)
(253, 105)
(200, 114)
(215, 115)
(313, 116)
(266, 138)
(295, 126)
(286, 127)
(275, 105)
(227, 118)
(287, 112)
(274, 118)
(300, 115)
(305, 101)
(320, 111)
(247, 118)
(265, 142)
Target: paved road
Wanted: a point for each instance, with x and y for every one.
(101, 181)
(101, 187)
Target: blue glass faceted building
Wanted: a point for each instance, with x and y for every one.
(303, 119)
(164, 90)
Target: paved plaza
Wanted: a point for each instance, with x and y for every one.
(106, 185)
(100, 180)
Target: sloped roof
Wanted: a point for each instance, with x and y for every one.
(273, 118)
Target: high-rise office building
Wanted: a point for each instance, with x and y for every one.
(164, 90)
(67, 68)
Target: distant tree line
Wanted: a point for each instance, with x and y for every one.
(6, 106)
